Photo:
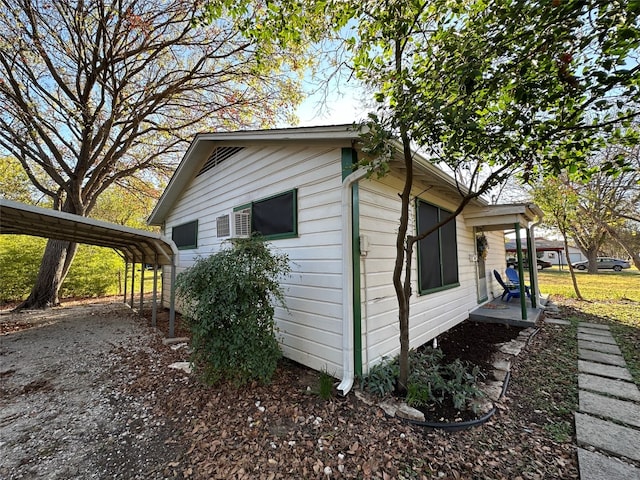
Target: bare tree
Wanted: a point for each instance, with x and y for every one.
(608, 205)
(94, 91)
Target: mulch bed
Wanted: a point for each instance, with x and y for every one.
(285, 431)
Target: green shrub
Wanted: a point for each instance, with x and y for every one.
(430, 381)
(20, 257)
(229, 302)
(94, 273)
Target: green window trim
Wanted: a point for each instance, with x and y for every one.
(443, 273)
(185, 235)
(292, 232)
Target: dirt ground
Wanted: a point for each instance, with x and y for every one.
(63, 413)
(86, 393)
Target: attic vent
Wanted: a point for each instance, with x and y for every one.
(219, 155)
(242, 223)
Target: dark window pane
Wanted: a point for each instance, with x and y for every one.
(429, 251)
(438, 252)
(275, 215)
(449, 251)
(185, 235)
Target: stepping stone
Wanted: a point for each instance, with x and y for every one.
(557, 321)
(607, 436)
(594, 325)
(597, 338)
(617, 388)
(604, 370)
(600, 347)
(596, 466)
(600, 357)
(606, 407)
(594, 331)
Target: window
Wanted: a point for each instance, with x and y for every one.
(438, 252)
(274, 217)
(222, 226)
(185, 236)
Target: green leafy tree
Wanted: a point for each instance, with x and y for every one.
(93, 92)
(14, 182)
(229, 300)
(491, 90)
(559, 203)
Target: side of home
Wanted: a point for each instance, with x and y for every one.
(338, 226)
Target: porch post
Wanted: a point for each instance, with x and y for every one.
(523, 298)
(533, 267)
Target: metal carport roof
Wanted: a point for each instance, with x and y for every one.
(137, 246)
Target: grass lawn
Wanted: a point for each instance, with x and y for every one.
(610, 298)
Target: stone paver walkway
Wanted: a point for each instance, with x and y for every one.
(608, 420)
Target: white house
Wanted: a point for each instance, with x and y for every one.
(298, 188)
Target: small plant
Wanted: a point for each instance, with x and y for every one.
(325, 385)
(229, 301)
(430, 381)
(381, 380)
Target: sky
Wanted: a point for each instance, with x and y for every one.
(340, 108)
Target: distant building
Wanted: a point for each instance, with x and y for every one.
(549, 250)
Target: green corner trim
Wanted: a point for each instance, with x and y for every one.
(349, 162)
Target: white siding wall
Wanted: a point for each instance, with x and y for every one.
(431, 314)
(311, 332)
(496, 260)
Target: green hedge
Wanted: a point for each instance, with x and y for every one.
(96, 271)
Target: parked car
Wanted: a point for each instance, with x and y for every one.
(540, 264)
(604, 263)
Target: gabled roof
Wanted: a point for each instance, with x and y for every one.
(345, 135)
(21, 219)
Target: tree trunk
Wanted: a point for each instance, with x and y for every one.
(571, 271)
(54, 267)
(592, 256)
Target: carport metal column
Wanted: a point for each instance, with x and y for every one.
(154, 306)
(172, 300)
(142, 260)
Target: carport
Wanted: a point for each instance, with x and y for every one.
(135, 246)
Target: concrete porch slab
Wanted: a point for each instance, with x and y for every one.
(600, 357)
(600, 347)
(620, 410)
(505, 313)
(610, 386)
(607, 436)
(596, 466)
(596, 338)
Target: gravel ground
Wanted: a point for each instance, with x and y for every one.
(63, 410)
(87, 393)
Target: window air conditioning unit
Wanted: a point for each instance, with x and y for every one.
(241, 223)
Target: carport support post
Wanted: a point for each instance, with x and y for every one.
(126, 279)
(155, 292)
(523, 296)
(172, 301)
(133, 279)
(142, 260)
